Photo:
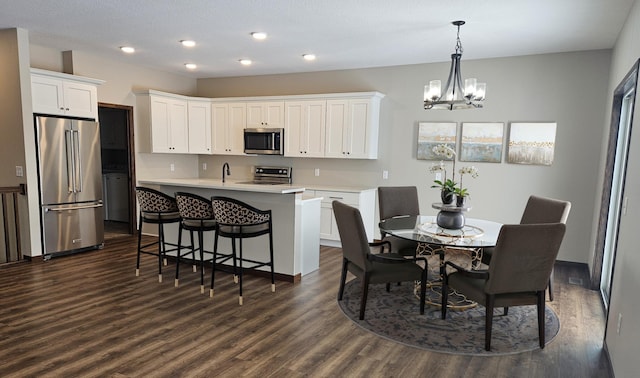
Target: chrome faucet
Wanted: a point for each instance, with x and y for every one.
(225, 172)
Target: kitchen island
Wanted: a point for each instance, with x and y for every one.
(296, 221)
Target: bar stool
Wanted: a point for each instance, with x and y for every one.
(197, 215)
(155, 208)
(238, 220)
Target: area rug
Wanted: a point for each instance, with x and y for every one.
(396, 316)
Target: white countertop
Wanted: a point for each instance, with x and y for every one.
(228, 185)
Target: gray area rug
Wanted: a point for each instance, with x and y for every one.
(396, 316)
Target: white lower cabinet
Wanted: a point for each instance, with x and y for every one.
(364, 200)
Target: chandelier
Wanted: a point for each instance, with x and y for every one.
(455, 96)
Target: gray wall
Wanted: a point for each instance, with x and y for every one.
(568, 88)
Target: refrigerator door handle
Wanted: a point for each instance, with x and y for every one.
(65, 208)
(70, 161)
(77, 162)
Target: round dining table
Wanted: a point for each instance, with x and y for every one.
(466, 243)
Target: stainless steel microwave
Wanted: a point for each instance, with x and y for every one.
(264, 141)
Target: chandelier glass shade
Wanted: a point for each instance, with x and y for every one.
(455, 95)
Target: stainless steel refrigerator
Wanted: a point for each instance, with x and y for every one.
(70, 179)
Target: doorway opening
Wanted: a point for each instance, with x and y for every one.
(612, 204)
(118, 169)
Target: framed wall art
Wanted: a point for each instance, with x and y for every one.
(532, 143)
(482, 141)
(430, 134)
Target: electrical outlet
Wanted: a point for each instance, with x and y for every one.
(172, 167)
(204, 166)
(439, 176)
(19, 171)
(317, 172)
(385, 175)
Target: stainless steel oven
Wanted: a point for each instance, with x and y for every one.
(264, 141)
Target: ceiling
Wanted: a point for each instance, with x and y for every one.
(343, 34)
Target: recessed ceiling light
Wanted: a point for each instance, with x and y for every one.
(191, 66)
(259, 35)
(127, 49)
(188, 43)
(245, 62)
(309, 56)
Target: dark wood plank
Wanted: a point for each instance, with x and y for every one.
(89, 315)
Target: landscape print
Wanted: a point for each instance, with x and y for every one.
(482, 141)
(532, 143)
(430, 134)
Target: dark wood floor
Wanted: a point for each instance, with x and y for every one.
(88, 315)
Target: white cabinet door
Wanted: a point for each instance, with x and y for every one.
(304, 128)
(46, 95)
(199, 113)
(352, 129)
(63, 97)
(228, 122)
(169, 125)
(81, 100)
(265, 114)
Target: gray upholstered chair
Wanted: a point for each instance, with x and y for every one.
(539, 210)
(396, 201)
(155, 208)
(238, 220)
(371, 268)
(518, 274)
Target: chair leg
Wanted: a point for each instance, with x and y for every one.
(233, 252)
(423, 290)
(343, 278)
(388, 286)
(550, 287)
(541, 310)
(240, 273)
(505, 311)
(194, 267)
(213, 263)
(488, 323)
(139, 246)
(160, 250)
(273, 278)
(176, 282)
(365, 292)
(201, 246)
(445, 296)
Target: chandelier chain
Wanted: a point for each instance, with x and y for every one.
(458, 42)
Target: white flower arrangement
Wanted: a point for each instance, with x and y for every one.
(471, 171)
(444, 151)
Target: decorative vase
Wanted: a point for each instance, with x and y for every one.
(446, 196)
(452, 220)
(460, 201)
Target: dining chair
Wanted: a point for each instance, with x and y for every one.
(517, 276)
(155, 208)
(396, 201)
(539, 210)
(238, 220)
(372, 268)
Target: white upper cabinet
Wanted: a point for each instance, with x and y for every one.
(268, 114)
(169, 125)
(62, 94)
(229, 121)
(352, 128)
(200, 136)
(304, 128)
